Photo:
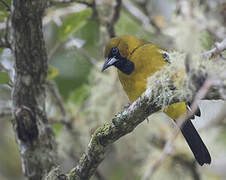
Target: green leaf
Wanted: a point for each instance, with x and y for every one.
(73, 22)
(52, 73)
(4, 78)
(57, 128)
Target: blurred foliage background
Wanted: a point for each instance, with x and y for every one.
(80, 98)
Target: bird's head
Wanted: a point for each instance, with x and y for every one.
(117, 53)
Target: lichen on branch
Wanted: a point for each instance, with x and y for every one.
(150, 102)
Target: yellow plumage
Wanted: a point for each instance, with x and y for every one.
(137, 60)
(147, 60)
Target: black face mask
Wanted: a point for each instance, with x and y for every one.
(123, 64)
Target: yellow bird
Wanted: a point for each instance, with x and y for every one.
(136, 60)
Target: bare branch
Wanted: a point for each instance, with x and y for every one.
(60, 104)
(140, 16)
(114, 19)
(56, 95)
(134, 11)
(219, 48)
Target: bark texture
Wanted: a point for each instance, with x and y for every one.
(33, 132)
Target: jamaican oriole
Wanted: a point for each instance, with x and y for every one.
(136, 60)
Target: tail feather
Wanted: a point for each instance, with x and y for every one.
(195, 143)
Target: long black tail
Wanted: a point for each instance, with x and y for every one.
(195, 143)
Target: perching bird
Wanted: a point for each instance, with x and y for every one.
(136, 60)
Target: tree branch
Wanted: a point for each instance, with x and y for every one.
(67, 122)
(114, 19)
(219, 48)
(126, 121)
(33, 133)
(140, 16)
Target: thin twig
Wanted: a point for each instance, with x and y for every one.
(148, 12)
(60, 104)
(95, 14)
(114, 19)
(140, 16)
(219, 48)
(55, 93)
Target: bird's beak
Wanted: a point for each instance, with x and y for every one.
(109, 62)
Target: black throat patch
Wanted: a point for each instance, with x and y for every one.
(125, 65)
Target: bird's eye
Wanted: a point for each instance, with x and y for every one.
(114, 50)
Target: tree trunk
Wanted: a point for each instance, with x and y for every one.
(33, 133)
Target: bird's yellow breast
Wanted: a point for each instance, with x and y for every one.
(147, 60)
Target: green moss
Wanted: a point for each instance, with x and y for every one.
(72, 175)
(105, 129)
(97, 135)
(101, 131)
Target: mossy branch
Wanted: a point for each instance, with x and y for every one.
(125, 122)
